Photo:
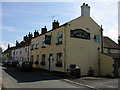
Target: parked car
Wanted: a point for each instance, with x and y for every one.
(24, 65)
(13, 63)
(6, 62)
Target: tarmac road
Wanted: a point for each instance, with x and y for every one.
(16, 79)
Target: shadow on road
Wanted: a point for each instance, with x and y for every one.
(30, 76)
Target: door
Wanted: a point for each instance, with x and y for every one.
(50, 62)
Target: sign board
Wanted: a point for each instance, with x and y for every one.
(80, 33)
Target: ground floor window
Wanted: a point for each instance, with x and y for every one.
(59, 60)
(32, 57)
(43, 59)
(37, 60)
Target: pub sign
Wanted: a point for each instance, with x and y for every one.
(79, 33)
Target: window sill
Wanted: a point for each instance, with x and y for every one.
(42, 63)
(58, 64)
(43, 47)
(36, 63)
(36, 48)
(58, 43)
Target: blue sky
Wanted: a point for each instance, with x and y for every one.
(20, 18)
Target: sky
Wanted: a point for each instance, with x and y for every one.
(18, 17)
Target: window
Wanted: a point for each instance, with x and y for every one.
(37, 60)
(43, 43)
(59, 60)
(48, 39)
(25, 49)
(109, 51)
(37, 44)
(59, 38)
(32, 45)
(97, 38)
(32, 57)
(13, 52)
(20, 51)
(43, 60)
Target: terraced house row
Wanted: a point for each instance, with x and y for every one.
(79, 42)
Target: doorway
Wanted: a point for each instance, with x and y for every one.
(50, 62)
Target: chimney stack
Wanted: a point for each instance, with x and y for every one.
(85, 10)
(36, 33)
(55, 24)
(25, 38)
(43, 30)
(8, 46)
(17, 43)
(30, 35)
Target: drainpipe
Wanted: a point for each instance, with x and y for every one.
(65, 48)
(101, 39)
(99, 71)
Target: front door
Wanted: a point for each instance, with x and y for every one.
(50, 62)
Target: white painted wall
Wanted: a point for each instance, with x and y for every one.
(24, 55)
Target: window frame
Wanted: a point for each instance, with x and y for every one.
(59, 38)
(43, 43)
(58, 61)
(43, 59)
(97, 38)
(32, 45)
(37, 45)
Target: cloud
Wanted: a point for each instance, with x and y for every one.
(4, 45)
(112, 32)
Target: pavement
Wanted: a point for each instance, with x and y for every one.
(96, 83)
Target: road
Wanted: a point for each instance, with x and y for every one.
(11, 78)
(35, 79)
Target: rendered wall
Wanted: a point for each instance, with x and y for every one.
(50, 49)
(106, 65)
(82, 52)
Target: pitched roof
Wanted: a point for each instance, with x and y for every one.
(109, 43)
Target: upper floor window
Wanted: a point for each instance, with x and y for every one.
(32, 45)
(109, 51)
(25, 49)
(43, 43)
(97, 38)
(20, 51)
(59, 38)
(59, 60)
(13, 52)
(37, 45)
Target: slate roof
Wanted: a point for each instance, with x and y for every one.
(109, 43)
